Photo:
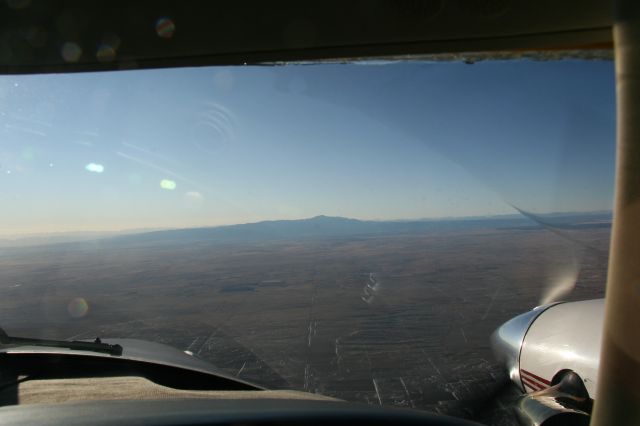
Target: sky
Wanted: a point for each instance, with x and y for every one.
(209, 146)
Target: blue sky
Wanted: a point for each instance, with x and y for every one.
(210, 146)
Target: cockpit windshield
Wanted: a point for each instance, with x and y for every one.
(355, 230)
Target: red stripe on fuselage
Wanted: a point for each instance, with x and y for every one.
(533, 385)
(535, 377)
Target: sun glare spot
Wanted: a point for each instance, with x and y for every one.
(167, 184)
(94, 168)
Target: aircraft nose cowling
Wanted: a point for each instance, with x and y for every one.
(507, 341)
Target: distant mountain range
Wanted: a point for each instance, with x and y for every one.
(323, 227)
(328, 226)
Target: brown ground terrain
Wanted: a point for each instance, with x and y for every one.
(399, 320)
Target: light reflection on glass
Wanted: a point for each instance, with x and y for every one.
(78, 307)
(105, 53)
(165, 28)
(168, 184)
(70, 52)
(94, 168)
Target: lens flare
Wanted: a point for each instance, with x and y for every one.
(94, 168)
(70, 52)
(165, 28)
(167, 184)
(105, 53)
(78, 307)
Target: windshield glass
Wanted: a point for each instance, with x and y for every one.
(355, 230)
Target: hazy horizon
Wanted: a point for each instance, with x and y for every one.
(213, 146)
(97, 232)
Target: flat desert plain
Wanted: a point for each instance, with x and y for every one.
(394, 320)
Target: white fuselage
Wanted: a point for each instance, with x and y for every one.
(564, 337)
